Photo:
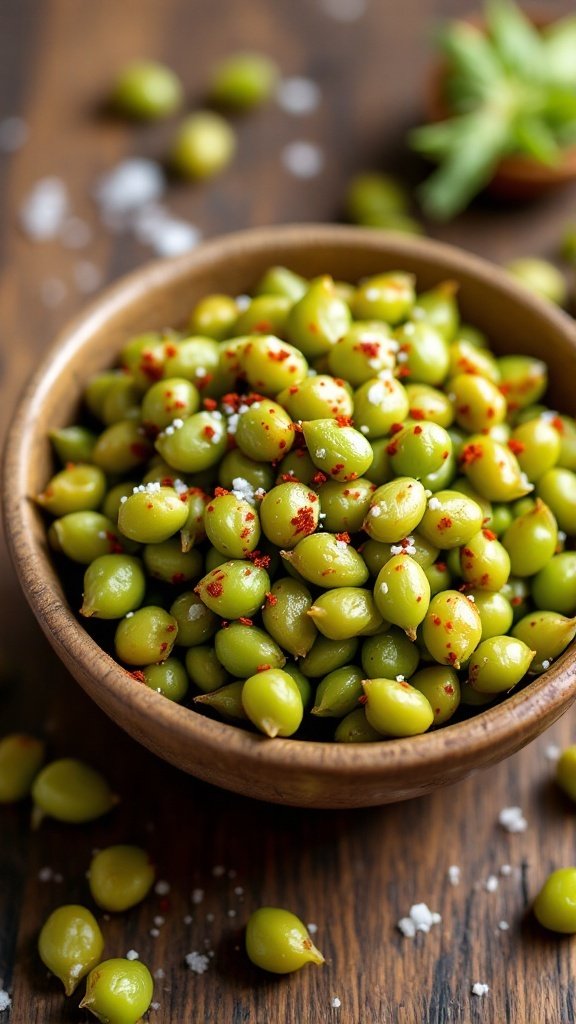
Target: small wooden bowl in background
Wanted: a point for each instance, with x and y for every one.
(302, 773)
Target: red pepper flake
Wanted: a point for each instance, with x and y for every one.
(210, 404)
(448, 688)
(515, 446)
(150, 505)
(114, 544)
(289, 478)
(371, 349)
(245, 621)
(463, 410)
(515, 601)
(293, 389)
(220, 491)
(304, 521)
(271, 599)
(417, 430)
(171, 628)
(557, 424)
(392, 448)
(337, 468)
(214, 589)
(436, 620)
(312, 497)
(441, 566)
(452, 657)
(167, 481)
(402, 371)
(138, 676)
(339, 381)
(279, 356)
(396, 428)
(245, 532)
(485, 578)
(417, 414)
(468, 552)
(203, 381)
(471, 453)
(319, 478)
(263, 668)
(177, 577)
(170, 349)
(249, 517)
(281, 444)
(163, 646)
(208, 431)
(363, 699)
(445, 523)
(327, 572)
(258, 559)
(344, 421)
(345, 537)
(449, 625)
(489, 534)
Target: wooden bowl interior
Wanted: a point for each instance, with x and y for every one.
(290, 771)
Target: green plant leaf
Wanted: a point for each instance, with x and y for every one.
(472, 59)
(478, 145)
(533, 137)
(559, 41)
(517, 41)
(435, 141)
(559, 105)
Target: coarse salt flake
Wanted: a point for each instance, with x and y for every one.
(312, 928)
(506, 870)
(132, 955)
(197, 895)
(303, 159)
(298, 95)
(344, 10)
(491, 883)
(434, 504)
(552, 752)
(218, 870)
(503, 926)
(131, 184)
(162, 888)
(335, 1003)
(197, 962)
(480, 989)
(45, 209)
(512, 819)
(5, 1000)
(454, 874)
(320, 453)
(421, 919)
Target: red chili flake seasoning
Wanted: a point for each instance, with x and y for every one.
(138, 676)
(289, 478)
(444, 523)
(150, 505)
(114, 544)
(441, 566)
(392, 448)
(463, 409)
(177, 577)
(371, 349)
(279, 356)
(344, 421)
(337, 468)
(448, 688)
(264, 667)
(214, 589)
(452, 657)
(312, 497)
(208, 431)
(271, 599)
(489, 534)
(449, 625)
(363, 699)
(417, 414)
(170, 350)
(219, 491)
(245, 621)
(471, 453)
(245, 532)
(210, 404)
(327, 572)
(402, 371)
(396, 428)
(516, 601)
(249, 517)
(485, 578)
(203, 381)
(437, 621)
(281, 444)
(167, 481)
(339, 381)
(517, 447)
(163, 647)
(345, 537)
(557, 424)
(319, 478)
(258, 559)
(417, 430)
(304, 521)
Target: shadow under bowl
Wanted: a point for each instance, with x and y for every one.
(301, 773)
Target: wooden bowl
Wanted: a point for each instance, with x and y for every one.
(302, 773)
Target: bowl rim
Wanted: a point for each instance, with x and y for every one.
(545, 697)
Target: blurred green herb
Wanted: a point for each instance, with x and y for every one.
(511, 89)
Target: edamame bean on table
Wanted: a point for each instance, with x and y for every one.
(322, 488)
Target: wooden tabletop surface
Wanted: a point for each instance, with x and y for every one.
(352, 874)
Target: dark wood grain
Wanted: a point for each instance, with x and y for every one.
(353, 873)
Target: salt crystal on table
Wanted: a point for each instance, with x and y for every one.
(88, 276)
(44, 210)
(344, 10)
(197, 962)
(298, 95)
(303, 159)
(13, 134)
(512, 819)
(480, 989)
(5, 1000)
(130, 185)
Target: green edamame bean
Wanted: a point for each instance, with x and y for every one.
(327, 562)
(548, 633)
(232, 525)
(345, 505)
(438, 307)
(523, 380)
(121, 447)
(389, 297)
(237, 466)
(394, 708)
(319, 319)
(379, 404)
(281, 281)
(70, 944)
(167, 400)
(266, 315)
(390, 654)
(397, 509)
(146, 636)
(531, 540)
(196, 623)
(168, 678)
(452, 628)
(243, 81)
(498, 664)
(337, 450)
(118, 991)
(268, 363)
(265, 431)
(317, 397)
(244, 649)
(451, 519)
(285, 616)
(195, 443)
(495, 611)
(402, 593)
(235, 589)
(204, 669)
(554, 586)
(120, 877)
(327, 655)
(147, 90)
(493, 469)
(566, 772)
(113, 586)
(166, 561)
(226, 701)
(419, 449)
(555, 904)
(277, 941)
(484, 562)
(288, 513)
(345, 612)
(338, 693)
(77, 488)
(557, 487)
(203, 146)
(85, 536)
(272, 701)
(355, 728)
(478, 404)
(423, 354)
(366, 350)
(441, 687)
(540, 277)
(536, 445)
(21, 757)
(70, 790)
(152, 514)
(73, 444)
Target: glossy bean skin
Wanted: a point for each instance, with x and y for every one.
(277, 941)
(285, 616)
(397, 509)
(441, 687)
(346, 612)
(289, 512)
(234, 590)
(531, 540)
(338, 693)
(355, 728)
(318, 319)
(554, 586)
(204, 669)
(554, 906)
(168, 678)
(70, 790)
(120, 877)
(77, 488)
(498, 664)
(273, 703)
(243, 649)
(70, 944)
(547, 633)
(118, 991)
(21, 757)
(145, 637)
(389, 655)
(402, 593)
(327, 562)
(394, 708)
(452, 628)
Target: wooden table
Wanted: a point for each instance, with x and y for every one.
(353, 874)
